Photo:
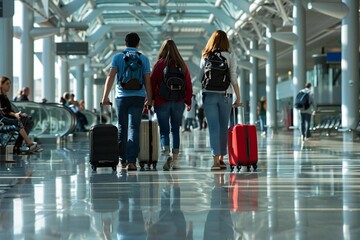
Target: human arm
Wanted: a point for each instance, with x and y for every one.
(108, 84)
(188, 90)
(237, 102)
(201, 72)
(148, 88)
(155, 78)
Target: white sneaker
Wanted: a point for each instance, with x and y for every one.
(175, 164)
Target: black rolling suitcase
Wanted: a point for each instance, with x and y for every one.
(104, 150)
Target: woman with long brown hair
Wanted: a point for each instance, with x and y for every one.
(172, 90)
(9, 117)
(218, 92)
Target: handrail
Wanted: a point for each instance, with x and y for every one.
(91, 117)
(50, 119)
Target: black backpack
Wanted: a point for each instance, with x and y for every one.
(302, 100)
(172, 86)
(216, 72)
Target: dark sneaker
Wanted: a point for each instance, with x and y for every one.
(123, 164)
(167, 164)
(131, 167)
(215, 167)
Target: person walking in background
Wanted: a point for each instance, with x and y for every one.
(218, 88)
(201, 117)
(261, 111)
(190, 116)
(306, 113)
(23, 121)
(130, 97)
(169, 104)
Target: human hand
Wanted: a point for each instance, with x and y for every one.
(188, 107)
(105, 101)
(23, 115)
(17, 115)
(237, 104)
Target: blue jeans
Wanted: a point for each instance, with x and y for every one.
(129, 111)
(169, 117)
(305, 124)
(263, 123)
(217, 108)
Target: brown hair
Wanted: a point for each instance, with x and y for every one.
(217, 41)
(169, 52)
(3, 79)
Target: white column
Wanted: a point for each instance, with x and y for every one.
(271, 81)
(27, 51)
(64, 76)
(253, 79)
(6, 48)
(350, 68)
(48, 61)
(89, 88)
(79, 82)
(299, 50)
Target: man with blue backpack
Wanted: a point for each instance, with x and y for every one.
(304, 102)
(132, 71)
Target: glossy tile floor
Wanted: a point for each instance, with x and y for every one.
(300, 191)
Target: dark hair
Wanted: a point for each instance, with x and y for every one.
(132, 39)
(308, 85)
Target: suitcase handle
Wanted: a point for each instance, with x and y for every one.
(242, 115)
(101, 112)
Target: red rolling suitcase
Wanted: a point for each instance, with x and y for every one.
(242, 146)
(104, 146)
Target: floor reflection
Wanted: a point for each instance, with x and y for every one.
(300, 191)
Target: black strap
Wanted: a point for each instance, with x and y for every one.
(247, 145)
(150, 137)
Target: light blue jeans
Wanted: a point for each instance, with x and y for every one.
(169, 117)
(129, 111)
(217, 108)
(263, 127)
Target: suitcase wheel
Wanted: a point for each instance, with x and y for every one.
(249, 168)
(154, 165)
(142, 166)
(238, 168)
(93, 167)
(254, 166)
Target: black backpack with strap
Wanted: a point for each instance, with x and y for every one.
(216, 72)
(302, 100)
(172, 86)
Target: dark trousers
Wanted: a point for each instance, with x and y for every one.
(305, 124)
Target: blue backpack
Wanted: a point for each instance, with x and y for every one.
(132, 77)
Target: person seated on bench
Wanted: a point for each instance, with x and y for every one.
(21, 120)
